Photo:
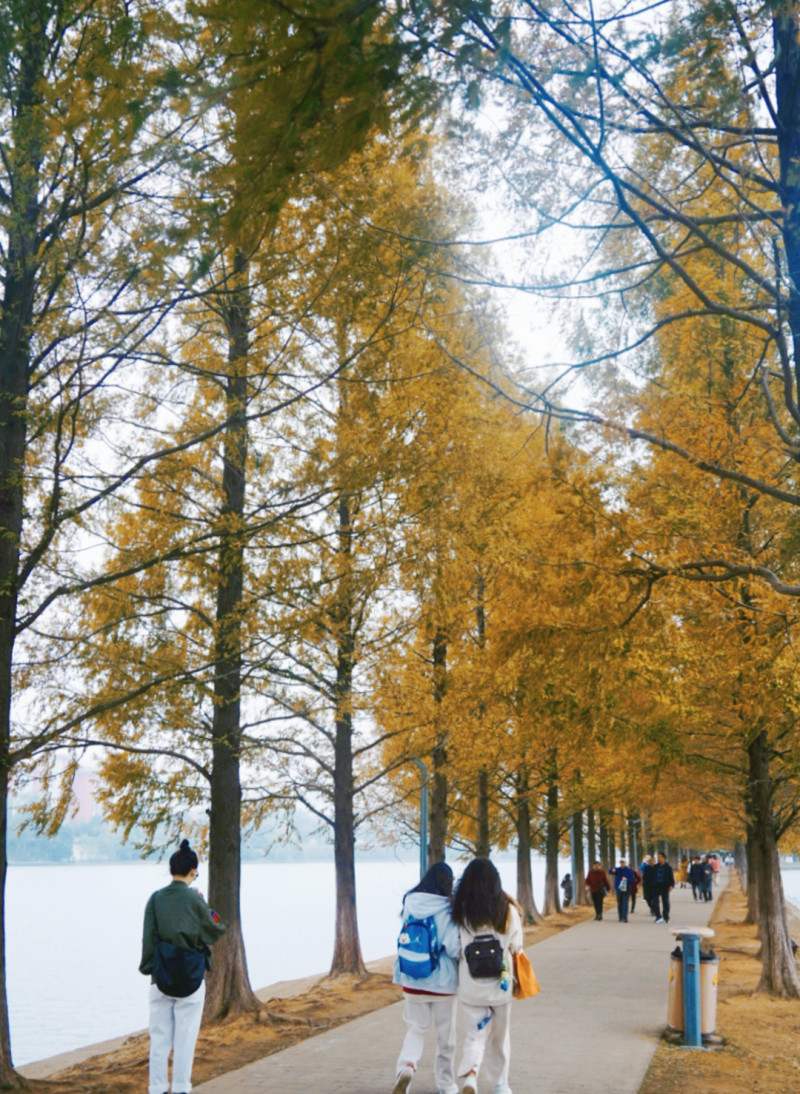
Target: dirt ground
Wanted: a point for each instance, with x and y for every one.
(282, 1022)
(762, 1035)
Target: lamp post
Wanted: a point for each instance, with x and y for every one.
(423, 818)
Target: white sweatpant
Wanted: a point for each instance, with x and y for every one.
(418, 1012)
(487, 1043)
(174, 1024)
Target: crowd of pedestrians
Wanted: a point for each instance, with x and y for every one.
(657, 879)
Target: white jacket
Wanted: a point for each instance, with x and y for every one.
(489, 993)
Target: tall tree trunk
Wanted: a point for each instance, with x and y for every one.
(9, 1080)
(580, 895)
(347, 956)
(16, 320)
(552, 902)
(347, 947)
(525, 897)
(623, 851)
(606, 851)
(438, 811)
(482, 838)
(778, 968)
(753, 914)
(228, 991)
(591, 839)
(633, 839)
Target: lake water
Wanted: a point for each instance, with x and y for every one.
(74, 938)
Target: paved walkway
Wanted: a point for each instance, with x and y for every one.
(592, 1030)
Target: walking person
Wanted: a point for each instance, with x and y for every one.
(428, 949)
(598, 884)
(706, 878)
(663, 884)
(624, 878)
(634, 888)
(696, 878)
(179, 928)
(491, 931)
(566, 888)
(648, 882)
(683, 872)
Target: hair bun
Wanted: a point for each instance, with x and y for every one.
(184, 845)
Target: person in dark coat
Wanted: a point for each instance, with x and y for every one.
(706, 878)
(648, 882)
(566, 886)
(696, 878)
(598, 884)
(663, 884)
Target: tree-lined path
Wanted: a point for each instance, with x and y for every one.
(592, 1030)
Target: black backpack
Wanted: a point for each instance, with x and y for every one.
(178, 971)
(484, 957)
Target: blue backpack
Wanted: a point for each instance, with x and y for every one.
(418, 947)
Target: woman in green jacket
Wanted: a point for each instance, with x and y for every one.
(178, 917)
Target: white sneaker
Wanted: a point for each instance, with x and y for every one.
(659, 920)
(403, 1081)
(470, 1085)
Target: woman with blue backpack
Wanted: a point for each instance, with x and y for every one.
(491, 933)
(427, 951)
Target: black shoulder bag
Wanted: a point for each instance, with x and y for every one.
(178, 971)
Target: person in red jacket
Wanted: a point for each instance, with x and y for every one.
(598, 884)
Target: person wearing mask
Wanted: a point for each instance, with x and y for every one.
(491, 932)
(179, 928)
(598, 884)
(429, 944)
(663, 884)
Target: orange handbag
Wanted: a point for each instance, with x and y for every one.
(525, 982)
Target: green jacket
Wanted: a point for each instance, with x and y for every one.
(183, 918)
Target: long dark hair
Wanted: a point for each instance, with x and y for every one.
(438, 879)
(183, 861)
(479, 898)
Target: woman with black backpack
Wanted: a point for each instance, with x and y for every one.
(179, 927)
(491, 932)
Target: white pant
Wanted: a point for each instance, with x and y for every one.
(418, 1011)
(174, 1024)
(487, 1043)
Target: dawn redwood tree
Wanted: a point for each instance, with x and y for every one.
(290, 93)
(85, 145)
